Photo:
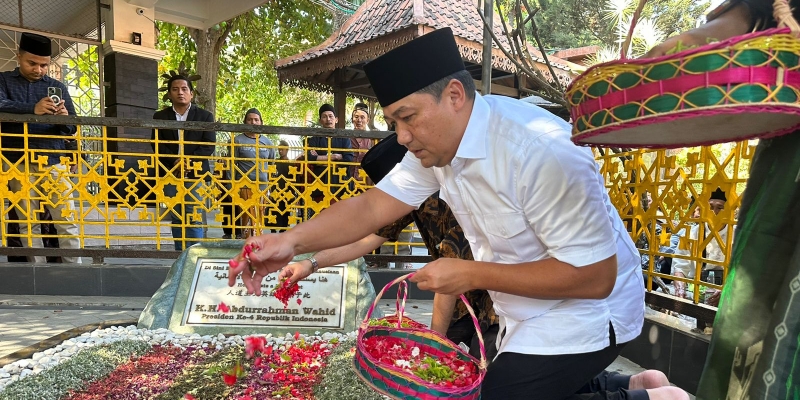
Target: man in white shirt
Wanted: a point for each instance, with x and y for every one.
(715, 232)
(549, 246)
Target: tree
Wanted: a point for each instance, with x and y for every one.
(572, 23)
(236, 60)
(575, 23)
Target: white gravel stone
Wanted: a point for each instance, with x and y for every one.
(11, 368)
(24, 373)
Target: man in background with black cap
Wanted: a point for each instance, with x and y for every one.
(714, 251)
(549, 246)
(28, 90)
(317, 156)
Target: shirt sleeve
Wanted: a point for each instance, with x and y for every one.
(10, 106)
(347, 156)
(311, 142)
(563, 201)
(68, 130)
(687, 267)
(410, 182)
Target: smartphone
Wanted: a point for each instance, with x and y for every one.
(54, 93)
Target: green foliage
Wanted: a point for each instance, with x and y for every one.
(571, 23)
(83, 74)
(576, 23)
(339, 382)
(182, 71)
(247, 77)
(435, 372)
(73, 374)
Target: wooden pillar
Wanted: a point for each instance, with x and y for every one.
(340, 99)
(486, 71)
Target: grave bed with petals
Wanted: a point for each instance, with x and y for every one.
(130, 363)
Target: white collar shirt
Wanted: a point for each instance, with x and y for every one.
(522, 191)
(181, 117)
(714, 250)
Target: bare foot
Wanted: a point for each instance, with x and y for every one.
(649, 379)
(667, 393)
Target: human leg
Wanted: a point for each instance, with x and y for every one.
(193, 204)
(228, 220)
(175, 213)
(514, 376)
(63, 211)
(27, 217)
(489, 342)
(662, 393)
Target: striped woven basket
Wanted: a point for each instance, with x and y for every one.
(398, 383)
(741, 88)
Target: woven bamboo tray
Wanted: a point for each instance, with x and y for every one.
(398, 383)
(741, 88)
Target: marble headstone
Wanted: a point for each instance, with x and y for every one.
(195, 298)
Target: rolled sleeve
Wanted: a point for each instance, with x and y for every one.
(410, 182)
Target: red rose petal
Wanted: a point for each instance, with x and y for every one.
(230, 380)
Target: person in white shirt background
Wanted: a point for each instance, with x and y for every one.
(713, 251)
(548, 245)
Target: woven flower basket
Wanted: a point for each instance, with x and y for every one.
(741, 88)
(398, 383)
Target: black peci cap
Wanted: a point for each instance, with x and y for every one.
(414, 66)
(382, 157)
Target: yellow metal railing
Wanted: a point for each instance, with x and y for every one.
(112, 191)
(664, 198)
(129, 198)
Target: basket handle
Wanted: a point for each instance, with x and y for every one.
(629, 37)
(783, 14)
(365, 322)
(404, 286)
(400, 305)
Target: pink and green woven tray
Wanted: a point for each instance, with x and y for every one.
(397, 383)
(741, 88)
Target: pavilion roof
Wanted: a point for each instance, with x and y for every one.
(381, 25)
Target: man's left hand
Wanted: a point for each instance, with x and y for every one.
(62, 109)
(713, 300)
(445, 275)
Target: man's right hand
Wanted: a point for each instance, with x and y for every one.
(45, 106)
(733, 22)
(271, 252)
(296, 271)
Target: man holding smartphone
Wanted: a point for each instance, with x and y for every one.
(28, 90)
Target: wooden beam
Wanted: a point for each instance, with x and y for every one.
(355, 83)
(339, 98)
(499, 89)
(187, 125)
(501, 76)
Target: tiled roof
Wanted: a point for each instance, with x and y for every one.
(379, 18)
(577, 52)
